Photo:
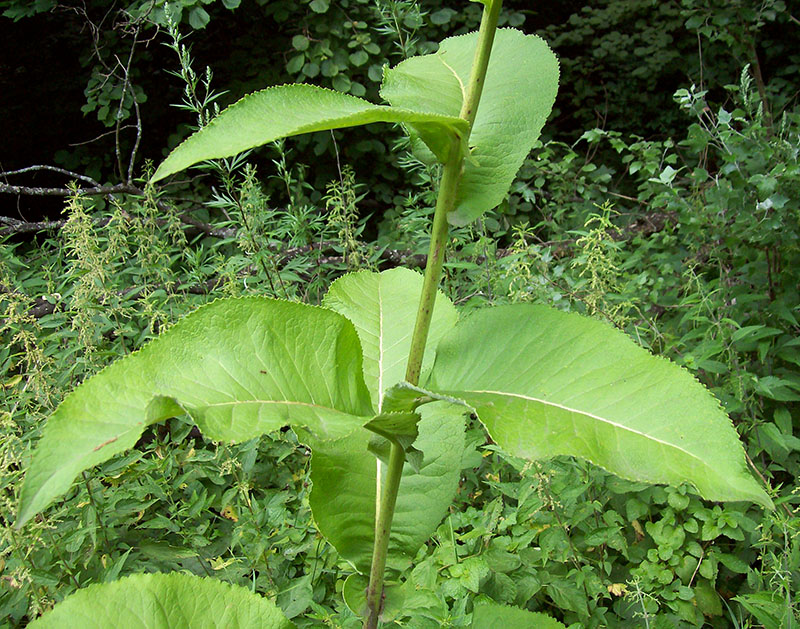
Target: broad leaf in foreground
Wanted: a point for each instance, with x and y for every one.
(238, 367)
(488, 615)
(548, 383)
(520, 89)
(344, 474)
(382, 307)
(164, 601)
(286, 110)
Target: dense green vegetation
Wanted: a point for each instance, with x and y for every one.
(686, 240)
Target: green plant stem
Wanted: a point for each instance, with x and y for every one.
(445, 203)
(448, 190)
(388, 500)
(477, 77)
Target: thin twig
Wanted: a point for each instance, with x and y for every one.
(101, 136)
(765, 481)
(127, 85)
(138, 140)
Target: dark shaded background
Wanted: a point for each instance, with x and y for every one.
(613, 75)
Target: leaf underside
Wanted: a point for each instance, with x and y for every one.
(518, 95)
(286, 110)
(238, 367)
(164, 601)
(548, 383)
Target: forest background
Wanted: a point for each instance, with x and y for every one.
(664, 197)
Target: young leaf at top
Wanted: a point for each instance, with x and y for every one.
(520, 89)
(382, 307)
(164, 601)
(238, 367)
(547, 383)
(287, 110)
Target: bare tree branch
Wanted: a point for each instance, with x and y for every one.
(16, 226)
(96, 191)
(208, 229)
(55, 169)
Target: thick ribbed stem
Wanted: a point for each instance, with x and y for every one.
(445, 203)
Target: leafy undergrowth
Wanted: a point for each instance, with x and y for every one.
(690, 247)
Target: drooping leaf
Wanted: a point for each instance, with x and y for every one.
(383, 308)
(488, 615)
(164, 601)
(287, 110)
(345, 476)
(239, 367)
(354, 593)
(547, 383)
(400, 428)
(519, 92)
(404, 398)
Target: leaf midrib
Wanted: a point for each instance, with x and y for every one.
(380, 347)
(587, 414)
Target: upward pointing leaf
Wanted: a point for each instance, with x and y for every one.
(546, 383)
(239, 367)
(286, 110)
(383, 307)
(164, 601)
(520, 89)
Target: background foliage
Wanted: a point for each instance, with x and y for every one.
(665, 199)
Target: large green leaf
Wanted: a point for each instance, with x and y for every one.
(489, 615)
(287, 110)
(519, 92)
(164, 601)
(383, 308)
(239, 367)
(547, 383)
(345, 477)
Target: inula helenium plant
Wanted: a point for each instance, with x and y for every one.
(378, 381)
